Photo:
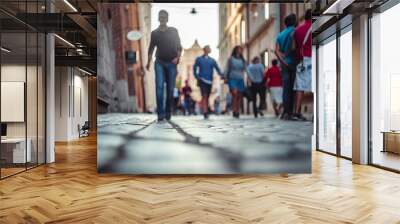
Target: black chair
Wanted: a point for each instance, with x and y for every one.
(84, 130)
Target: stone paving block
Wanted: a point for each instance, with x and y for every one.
(161, 131)
(119, 129)
(169, 157)
(107, 147)
(226, 145)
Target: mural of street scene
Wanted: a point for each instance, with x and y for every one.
(216, 88)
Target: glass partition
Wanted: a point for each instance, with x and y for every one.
(327, 96)
(22, 78)
(14, 151)
(31, 98)
(346, 93)
(41, 97)
(385, 89)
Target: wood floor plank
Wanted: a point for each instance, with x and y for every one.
(71, 191)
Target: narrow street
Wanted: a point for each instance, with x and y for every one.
(137, 144)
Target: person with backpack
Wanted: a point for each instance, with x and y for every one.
(286, 56)
(303, 44)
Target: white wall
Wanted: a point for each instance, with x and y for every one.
(34, 124)
(71, 87)
(50, 95)
(17, 73)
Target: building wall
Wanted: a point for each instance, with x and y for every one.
(148, 76)
(230, 17)
(107, 78)
(185, 68)
(120, 84)
(71, 102)
(260, 31)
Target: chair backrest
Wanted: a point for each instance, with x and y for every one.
(86, 125)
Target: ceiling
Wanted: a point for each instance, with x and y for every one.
(340, 12)
(74, 22)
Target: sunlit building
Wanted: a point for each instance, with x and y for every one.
(255, 26)
(123, 60)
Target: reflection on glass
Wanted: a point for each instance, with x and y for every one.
(14, 153)
(22, 91)
(327, 97)
(31, 100)
(346, 94)
(41, 98)
(385, 88)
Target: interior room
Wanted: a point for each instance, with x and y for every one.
(338, 51)
(22, 99)
(72, 106)
(48, 84)
(385, 88)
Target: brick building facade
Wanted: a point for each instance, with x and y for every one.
(255, 26)
(120, 82)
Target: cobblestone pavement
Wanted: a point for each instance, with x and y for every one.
(137, 144)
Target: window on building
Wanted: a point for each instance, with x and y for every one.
(243, 31)
(237, 35)
(266, 58)
(266, 10)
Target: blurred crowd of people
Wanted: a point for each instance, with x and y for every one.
(286, 80)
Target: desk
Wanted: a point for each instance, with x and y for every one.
(391, 141)
(15, 148)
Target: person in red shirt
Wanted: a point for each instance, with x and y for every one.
(273, 80)
(303, 44)
(187, 98)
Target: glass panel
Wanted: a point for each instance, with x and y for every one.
(32, 88)
(13, 87)
(31, 98)
(23, 89)
(41, 99)
(346, 94)
(314, 88)
(327, 96)
(385, 84)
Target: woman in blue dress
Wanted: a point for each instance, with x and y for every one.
(235, 69)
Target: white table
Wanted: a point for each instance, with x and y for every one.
(19, 155)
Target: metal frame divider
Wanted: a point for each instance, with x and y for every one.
(316, 97)
(369, 77)
(0, 93)
(26, 86)
(44, 76)
(338, 153)
(338, 100)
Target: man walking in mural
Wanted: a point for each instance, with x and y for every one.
(203, 70)
(169, 49)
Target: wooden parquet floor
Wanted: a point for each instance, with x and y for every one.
(71, 191)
